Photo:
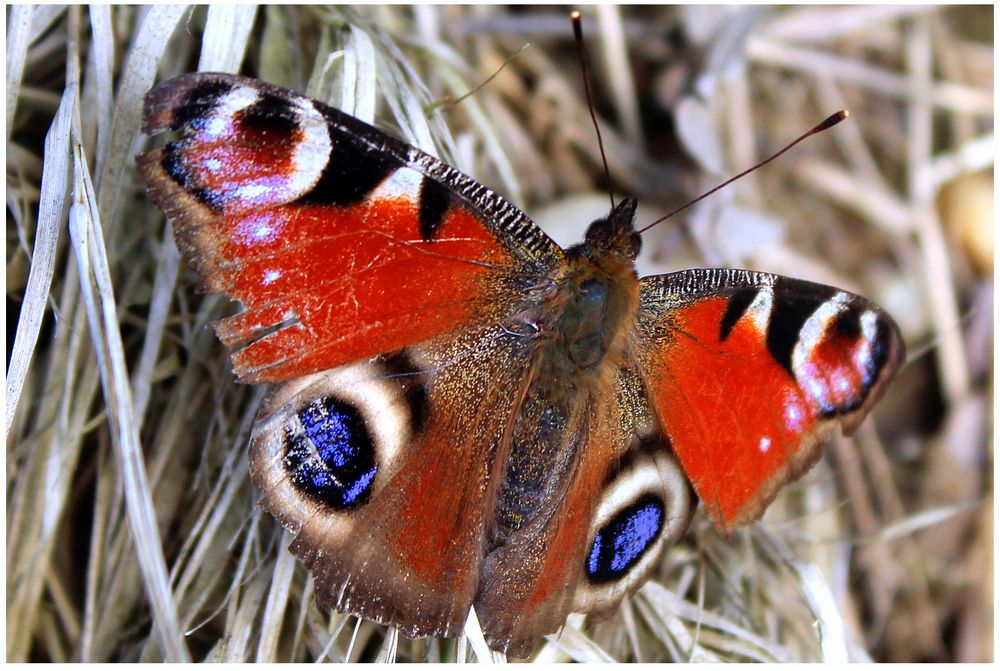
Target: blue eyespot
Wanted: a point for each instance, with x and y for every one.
(622, 542)
(332, 459)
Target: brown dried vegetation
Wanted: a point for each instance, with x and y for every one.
(132, 530)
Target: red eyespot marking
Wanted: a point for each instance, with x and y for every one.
(240, 164)
(832, 374)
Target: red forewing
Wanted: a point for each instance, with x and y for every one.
(341, 242)
(746, 369)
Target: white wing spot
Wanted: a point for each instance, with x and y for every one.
(252, 192)
(258, 228)
(312, 152)
(814, 329)
(218, 124)
(401, 183)
(793, 414)
(215, 127)
(817, 390)
(863, 354)
(759, 310)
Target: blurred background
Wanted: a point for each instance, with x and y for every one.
(132, 529)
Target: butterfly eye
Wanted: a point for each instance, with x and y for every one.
(616, 232)
(636, 242)
(645, 508)
(597, 232)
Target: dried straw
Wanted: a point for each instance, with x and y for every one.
(132, 529)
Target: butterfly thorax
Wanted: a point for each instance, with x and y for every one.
(580, 342)
(594, 301)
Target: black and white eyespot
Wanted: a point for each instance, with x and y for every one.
(329, 441)
(645, 508)
(841, 349)
(228, 125)
(313, 150)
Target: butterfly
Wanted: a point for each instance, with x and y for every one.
(464, 413)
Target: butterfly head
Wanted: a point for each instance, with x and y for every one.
(616, 232)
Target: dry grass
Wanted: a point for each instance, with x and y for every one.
(132, 530)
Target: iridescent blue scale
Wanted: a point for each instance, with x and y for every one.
(332, 458)
(620, 543)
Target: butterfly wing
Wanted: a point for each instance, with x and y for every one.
(345, 244)
(747, 370)
(381, 468)
(341, 241)
(625, 501)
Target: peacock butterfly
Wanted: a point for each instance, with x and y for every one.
(466, 413)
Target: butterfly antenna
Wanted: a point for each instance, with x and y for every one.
(449, 100)
(582, 49)
(828, 122)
